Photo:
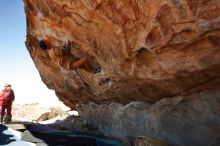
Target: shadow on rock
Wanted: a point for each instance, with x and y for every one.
(42, 134)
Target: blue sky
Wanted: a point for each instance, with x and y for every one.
(16, 66)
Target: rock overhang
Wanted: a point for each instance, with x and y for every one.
(122, 51)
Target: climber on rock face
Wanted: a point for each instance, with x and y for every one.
(70, 56)
(81, 59)
(74, 56)
(6, 99)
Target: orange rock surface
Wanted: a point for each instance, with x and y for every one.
(125, 50)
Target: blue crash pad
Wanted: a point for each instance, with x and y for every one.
(7, 138)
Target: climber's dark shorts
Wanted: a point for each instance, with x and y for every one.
(2, 111)
(7, 108)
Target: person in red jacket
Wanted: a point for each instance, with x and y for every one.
(6, 99)
(2, 103)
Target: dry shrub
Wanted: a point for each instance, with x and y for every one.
(43, 117)
(148, 141)
(55, 112)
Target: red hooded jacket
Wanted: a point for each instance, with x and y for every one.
(7, 97)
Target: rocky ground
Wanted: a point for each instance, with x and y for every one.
(34, 111)
(62, 119)
(59, 117)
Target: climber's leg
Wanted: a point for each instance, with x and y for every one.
(78, 63)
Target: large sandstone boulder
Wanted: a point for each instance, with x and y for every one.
(163, 54)
(132, 50)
